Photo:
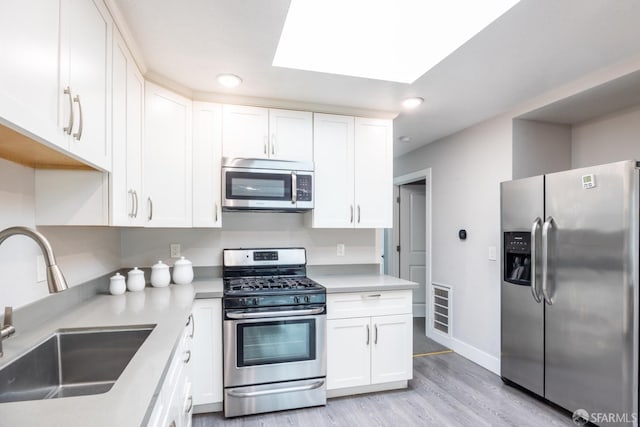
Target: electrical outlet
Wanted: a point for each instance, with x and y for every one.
(493, 256)
(41, 269)
(175, 250)
(340, 249)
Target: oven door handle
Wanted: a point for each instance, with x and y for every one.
(257, 315)
(311, 386)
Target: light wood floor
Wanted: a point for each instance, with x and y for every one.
(446, 390)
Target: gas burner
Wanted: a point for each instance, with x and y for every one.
(268, 283)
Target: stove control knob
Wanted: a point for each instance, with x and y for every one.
(307, 299)
(243, 301)
(255, 301)
(296, 300)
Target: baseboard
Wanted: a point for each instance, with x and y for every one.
(467, 351)
(419, 310)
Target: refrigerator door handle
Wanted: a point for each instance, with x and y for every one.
(535, 236)
(548, 224)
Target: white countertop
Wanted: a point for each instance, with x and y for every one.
(362, 282)
(133, 394)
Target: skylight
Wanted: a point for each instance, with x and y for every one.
(393, 40)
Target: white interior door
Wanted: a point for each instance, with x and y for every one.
(413, 242)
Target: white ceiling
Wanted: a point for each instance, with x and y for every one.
(536, 46)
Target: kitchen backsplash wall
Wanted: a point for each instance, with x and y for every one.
(143, 247)
(82, 253)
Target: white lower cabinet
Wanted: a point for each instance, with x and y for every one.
(364, 349)
(174, 403)
(206, 363)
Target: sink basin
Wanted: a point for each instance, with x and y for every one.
(72, 362)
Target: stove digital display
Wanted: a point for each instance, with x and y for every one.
(265, 256)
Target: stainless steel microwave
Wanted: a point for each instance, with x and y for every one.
(260, 184)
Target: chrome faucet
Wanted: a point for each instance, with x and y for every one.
(55, 278)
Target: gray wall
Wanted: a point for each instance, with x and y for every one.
(467, 169)
(540, 148)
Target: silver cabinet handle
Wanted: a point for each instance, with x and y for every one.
(191, 321)
(375, 336)
(548, 224)
(266, 138)
(188, 356)
(242, 315)
(368, 334)
(69, 127)
(372, 296)
(273, 144)
(78, 134)
(150, 202)
(294, 188)
(351, 208)
(190, 407)
(311, 386)
(535, 236)
(358, 214)
(133, 204)
(215, 211)
(135, 194)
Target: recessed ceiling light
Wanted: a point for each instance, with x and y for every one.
(229, 80)
(393, 40)
(411, 103)
(404, 139)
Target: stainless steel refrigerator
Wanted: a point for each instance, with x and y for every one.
(569, 291)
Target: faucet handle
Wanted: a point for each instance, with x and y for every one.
(8, 316)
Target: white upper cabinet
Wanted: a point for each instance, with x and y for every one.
(207, 151)
(29, 97)
(333, 154)
(127, 120)
(85, 87)
(353, 172)
(291, 135)
(373, 173)
(261, 133)
(167, 158)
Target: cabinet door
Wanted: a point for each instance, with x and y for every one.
(348, 352)
(333, 156)
(29, 96)
(126, 172)
(167, 158)
(207, 152)
(373, 173)
(392, 345)
(291, 135)
(245, 132)
(206, 360)
(85, 57)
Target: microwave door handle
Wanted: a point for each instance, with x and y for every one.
(294, 188)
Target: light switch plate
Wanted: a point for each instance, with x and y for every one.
(493, 255)
(340, 249)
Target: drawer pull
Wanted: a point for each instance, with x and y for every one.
(190, 407)
(188, 356)
(191, 321)
(372, 296)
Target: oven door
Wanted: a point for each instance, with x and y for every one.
(257, 189)
(271, 349)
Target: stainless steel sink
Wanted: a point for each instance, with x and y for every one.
(74, 362)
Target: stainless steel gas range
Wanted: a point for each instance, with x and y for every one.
(274, 332)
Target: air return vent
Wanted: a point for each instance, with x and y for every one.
(441, 308)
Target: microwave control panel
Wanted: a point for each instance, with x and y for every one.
(304, 188)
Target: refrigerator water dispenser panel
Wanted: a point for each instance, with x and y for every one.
(517, 258)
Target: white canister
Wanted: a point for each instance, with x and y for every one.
(182, 272)
(160, 276)
(117, 285)
(135, 280)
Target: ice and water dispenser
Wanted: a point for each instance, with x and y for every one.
(517, 257)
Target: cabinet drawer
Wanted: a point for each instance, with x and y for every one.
(361, 304)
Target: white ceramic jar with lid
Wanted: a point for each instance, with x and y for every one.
(117, 285)
(182, 272)
(135, 280)
(160, 276)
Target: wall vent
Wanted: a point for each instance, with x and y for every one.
(440, 315)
